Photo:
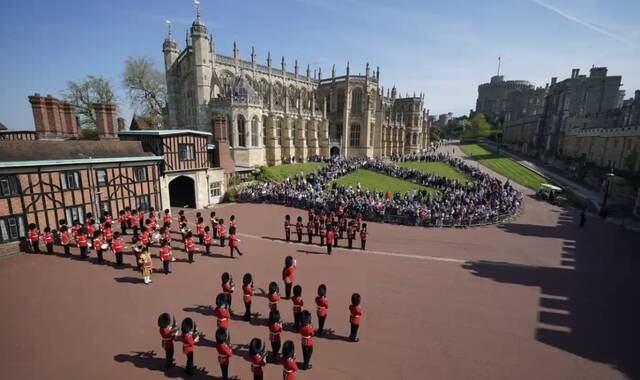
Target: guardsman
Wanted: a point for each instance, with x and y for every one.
(331, 237)
(167, 218)
(165, 256)
(189, 246)
(82, 242)
(208, 240)
(107, 233)
(214, 224)
(287, 227)
(168, 332)
(223, 345)
(145, 236)
(257, 356)
(118, 247)
(76, 229)
(289, 365)
(222, 312)
(359, 222)
(322, 304)
(190, 337)
(275, 328)
(355, 312)
(133, 221)
(316, 224)
(310, 231)
(47, 237)
(288, 275)
(232, 222)
(297, 306)
(363, 236)
(200, 230)
(90, 230)
(123, 222)
(351, 233)
(247, 295)
(228, 288)
(307, 332)
(299, 229)
(222, 234)
(141, 218)
(65, 239)
(335, 234)
(97, 244)
(273, 296)
(323, 233)
(233, 242)
(147, 266)
(34, 238)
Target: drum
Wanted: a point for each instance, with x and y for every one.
(104, 246)
(155, 237)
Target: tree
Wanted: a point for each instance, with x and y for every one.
(435, 134)
(479, 127)
(146, 88)
(82, 94)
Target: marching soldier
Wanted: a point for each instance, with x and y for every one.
(200, 230)
(323, 304)
(82, 242)
(287, 227)
(307, 332)
(323, 233)
(227, 288)
(287, 275)
(354, 318)
(165, 256)
(351, 234)
(299, 229)
(310, 231)
(232, 222)
(189, 246)
(330, 238)
(117, 246)
(65, 239)
(223, 345)
(273, 296)
(221, 232)
(123, 222)
(257, 356)
(275, 328)
(207, 240)
(233, 242)
(34, 238)
(97, 244)
(221, 312)
(190, 336)
(108, 233)
(297, 306)
(214, 224)
(168, 332)
(167, 219)
(247, 290)
(289, 365)
(47, 237)
(363, 236)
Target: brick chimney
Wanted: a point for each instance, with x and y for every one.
(221, 154)
(53, 118)
(70, 118)
(106, 121)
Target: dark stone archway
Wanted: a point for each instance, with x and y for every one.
(182, 192)
(335, 151)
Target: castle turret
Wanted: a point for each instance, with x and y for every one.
(202, 71)
(171, 53)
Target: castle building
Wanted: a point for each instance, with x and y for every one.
(277, 115)
(493, 97)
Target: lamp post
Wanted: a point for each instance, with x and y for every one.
(607, 189)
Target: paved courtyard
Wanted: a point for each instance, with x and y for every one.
(535, 298)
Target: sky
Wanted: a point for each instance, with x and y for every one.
(442, 48)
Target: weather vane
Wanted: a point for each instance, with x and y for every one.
(169, 27)
(197, 4)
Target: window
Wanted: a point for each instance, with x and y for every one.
(354, 136)
(340, 104)
(143, 202)
(139, 173)
(264, 131)
(279, 130)
(230, 130)
(105, 207)
(11, 228)
(214, 189)
(186, 152)
(9, 185)
(74, 213)
(254, 131)
(241, 131)
(356, 101)
(70, 180)
(101, 177)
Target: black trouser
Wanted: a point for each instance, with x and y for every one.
(247, 311)
(49, 247)
(232, 249)
(215, 231)
(99, 253)
(123, 228)
(310, 237)
(287, 290)
(288, 235)
(190, 256)
(363, 244)
(335, 241)
(168, 357)
(119, 258)
(35, 246)
(321, 324)
(321, 240)
(299, 236)
(66, 249)
(258, 376)
(135, 230)
(350, 243)
(307, 351)
(165, 266)
(201, 239)
(329, 248)
(141, 223)
(83, 251)
(316, 229)
(275, 348)
(228, 295)
(189, 367)
(354, 332)
(341, 234)
(222, 241)
(296, 319)
(225, 371)
(207, 249)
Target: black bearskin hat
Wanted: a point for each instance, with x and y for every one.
(187, 325)
(274, 316)
(166, 211)
(355, 299)
(198, 215)
(287, 217)
(220, 221)
(297, 291)
(226, 277)
(232, 217)
(232, 231)
(306, 317)
(32, 226)
(364, 225)
(287, 350)
(221, 336)
(247, 279)
(200, 220)
(164, 320)
(181, 212)
(255, 346)
(221, 300)
(122, 212)
(322, 290)
(328, 226)
(299, 219)
(188, 235)
(273, 287)
(288, 261)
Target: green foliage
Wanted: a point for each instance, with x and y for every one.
(82, 94)
(371, 180)
(437, 168)
(88, 133)
(230, 195)
(505, 166)
(435, 134)
(479, 127)
(146, 88)
(281, 172)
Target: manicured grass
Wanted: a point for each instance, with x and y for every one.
(280, 172)
(437, 168)
(371, 180)
(505, 166)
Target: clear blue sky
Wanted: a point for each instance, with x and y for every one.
(444, 48)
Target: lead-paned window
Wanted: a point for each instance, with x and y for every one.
(186, 152)
(140, 173)
(70, 180)
(9, 186)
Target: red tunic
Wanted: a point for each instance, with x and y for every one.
(224, 353)
(108, 234)
(221, 231)
(117, 245)
(310, 228)
(188, 245)
(90, 230)
(273, 301)
(289, 369)
(351, 233)
(82, 241)
(307, 332)
(299, 227)
(167, 219)
(330, 236)
(97, 244)
(188, 343)
(233, 241)
(75, 230)
(123, 219)
(144, 238)
(108, 219)
(223, 317)
(48, 238)
(165, 253)
(34, 236)
(65, 238)
(248, 293)
(274, 332)
(167, 337)
(287, 274)
(233, 223)
(287, 226)
(363, 234)
(207, 238)
(200, 229)
(227, 288)
(297, 304)
(167, 234)
(257, 362)
(356, 313)
(323, 305)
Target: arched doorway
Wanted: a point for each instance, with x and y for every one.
(182, 192)
(335, 151)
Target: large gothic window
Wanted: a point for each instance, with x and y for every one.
(356, 101)
(254, 131)
(242, 138)
(264, 131)
(340, 104)
(354, 135)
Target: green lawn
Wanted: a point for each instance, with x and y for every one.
(437, 168)
(379, 182)
(505, 166)
(280, 172)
